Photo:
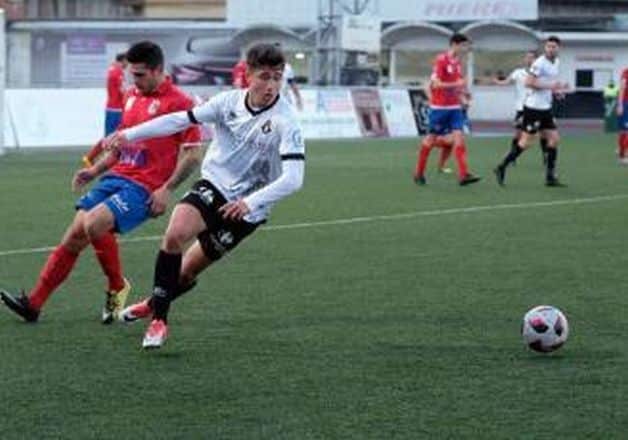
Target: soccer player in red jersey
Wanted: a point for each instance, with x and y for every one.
(622, 116)
(113, 108)
(446, 115)
(238, 75)
(136, 184)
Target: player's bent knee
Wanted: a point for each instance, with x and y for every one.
(175, 240)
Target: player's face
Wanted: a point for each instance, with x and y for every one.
(264, 84)
(551, 49)
(145, 79)
(528, 59)
(461, 49)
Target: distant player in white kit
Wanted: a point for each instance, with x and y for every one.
(288, 85)
(518, 78)
(542, 83)
(257, 157)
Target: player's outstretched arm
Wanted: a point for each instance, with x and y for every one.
(166, 125)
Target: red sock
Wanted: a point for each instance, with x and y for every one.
(55, 271)
(460, 151)
(108, 254)
(623, 144)
(424, 153)
(445, 153)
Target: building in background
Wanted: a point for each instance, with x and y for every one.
(203, 38)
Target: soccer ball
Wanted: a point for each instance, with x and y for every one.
(545, 329)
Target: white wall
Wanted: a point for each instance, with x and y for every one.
(613, 56)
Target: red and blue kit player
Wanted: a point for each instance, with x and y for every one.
(115, 93)
(448, 88)
(113, 109)
(622, 118)
(137, 183)
(238, 75)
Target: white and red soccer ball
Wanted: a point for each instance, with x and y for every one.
(545, 329)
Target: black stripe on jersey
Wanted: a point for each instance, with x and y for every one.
(293, 156)
(261, 110)
(192, 118)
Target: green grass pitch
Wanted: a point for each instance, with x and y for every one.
(384, 326)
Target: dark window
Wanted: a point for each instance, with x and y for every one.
(584, 78)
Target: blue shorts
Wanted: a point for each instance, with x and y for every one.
(622, 121)
(112, 121)
(127, 200)
(444, 121)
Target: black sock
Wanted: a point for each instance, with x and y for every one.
(167, 269)
(552, 154)
(511, 156)
(180, 290)
(514, 143)
(543, 143)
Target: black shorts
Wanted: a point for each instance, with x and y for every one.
(535, 120)
(518, 121)
(221, 235)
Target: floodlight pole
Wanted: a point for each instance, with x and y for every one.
(329, 57)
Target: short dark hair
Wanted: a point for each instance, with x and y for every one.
(458, 38)
(265, 55)
(146, 52)
(553, 39)
(121, 57)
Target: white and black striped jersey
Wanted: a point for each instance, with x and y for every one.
(547, 72)
(518, 76)
(249, 145)
(256, 154)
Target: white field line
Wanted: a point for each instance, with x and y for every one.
(374, 218)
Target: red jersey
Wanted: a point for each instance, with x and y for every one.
(238, 75)
(446, 69)
(152, 161)
(624, 80)
(115, 87)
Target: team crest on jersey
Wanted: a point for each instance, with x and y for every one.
(232, 115)
(225, 237)
(266, 128)
(129, 103)
(153, 107)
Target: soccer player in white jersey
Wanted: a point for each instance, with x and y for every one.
(288, 85)
(257, 157)
(542, 83)
(518, 77)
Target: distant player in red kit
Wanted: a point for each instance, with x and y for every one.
(113, 108)
(448, 88)
(137, 185)
(238, 75)
(622, 119)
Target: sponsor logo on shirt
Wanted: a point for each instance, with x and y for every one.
(129, 103)
(153, 107)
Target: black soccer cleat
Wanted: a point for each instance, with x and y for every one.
(420, 180)
(469, 179)
(500, 174)
(20, 306)
(554, 182)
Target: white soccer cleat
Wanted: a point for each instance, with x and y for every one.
(140, 310)
(156, 334)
